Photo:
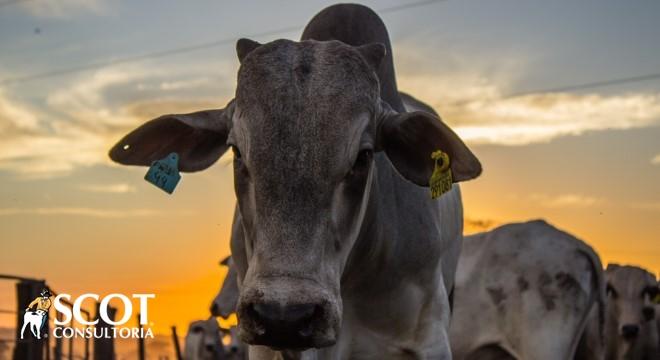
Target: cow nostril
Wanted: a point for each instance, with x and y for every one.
(649, 313)
(301, 312)
(630, 331)
(272, 312)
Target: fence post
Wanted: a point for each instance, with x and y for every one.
(28, 348)
(46, 342)
(104, 349)
(70, 356)
(58, 340)
(86, 344)
(177, 347)
(140, 341)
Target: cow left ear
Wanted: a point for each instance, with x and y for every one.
(199, 138)
(409, 139)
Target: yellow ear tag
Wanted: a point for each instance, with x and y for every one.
(441, 180)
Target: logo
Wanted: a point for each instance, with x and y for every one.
(38, 317)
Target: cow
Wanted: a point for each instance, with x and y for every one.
(631, 330)
(528, 291)
(224, 304)
(340, 250)
(203, 341)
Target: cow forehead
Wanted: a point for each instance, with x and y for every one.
(629, 279)
(300, 104)
(284, 74)
(318, 83)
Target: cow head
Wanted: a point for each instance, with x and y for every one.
(305, 126)
(631, 292)
(203, 340)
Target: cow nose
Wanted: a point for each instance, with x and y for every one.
(285, 326)
(629, 331)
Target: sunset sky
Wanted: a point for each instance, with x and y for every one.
(587, 160)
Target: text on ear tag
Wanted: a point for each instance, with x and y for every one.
(164, 173)
(441, 180)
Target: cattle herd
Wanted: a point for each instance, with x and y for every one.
(522, 291)
(338, 249)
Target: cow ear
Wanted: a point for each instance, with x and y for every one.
(408, 139)
(374, 53)
(199, 138)
(226, 261)
(244, 47)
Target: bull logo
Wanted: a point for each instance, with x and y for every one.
(36, 314)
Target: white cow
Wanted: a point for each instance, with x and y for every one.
(528, 291)
(224, 305)
(632, 332)
(34, 319)
(203, 341)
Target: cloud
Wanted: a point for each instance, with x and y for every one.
(119, 188)
(651, 206)
(656, 160)
(82, 211)
(480, 113)
(84, 118)
(565, 200)
(471, 96)
(63, 8)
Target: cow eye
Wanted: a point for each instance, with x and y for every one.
(362, 162)
(611, 291)
(363, 159)
(651, 291)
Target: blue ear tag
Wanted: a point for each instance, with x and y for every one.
(164, 173)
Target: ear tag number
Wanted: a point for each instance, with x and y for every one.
(164, 173)
(441, 180)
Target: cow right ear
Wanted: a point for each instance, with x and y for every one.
(244, 47)
(410, 138)
(199, 138)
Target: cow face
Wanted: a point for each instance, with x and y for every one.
(203, 340)
(631, 292)
(305, 127)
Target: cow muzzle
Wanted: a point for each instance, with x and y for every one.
(288, 320)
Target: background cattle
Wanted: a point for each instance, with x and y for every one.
(203, 341)
(528, 291)
(632, 331)
(224, 304)
(338, 246)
